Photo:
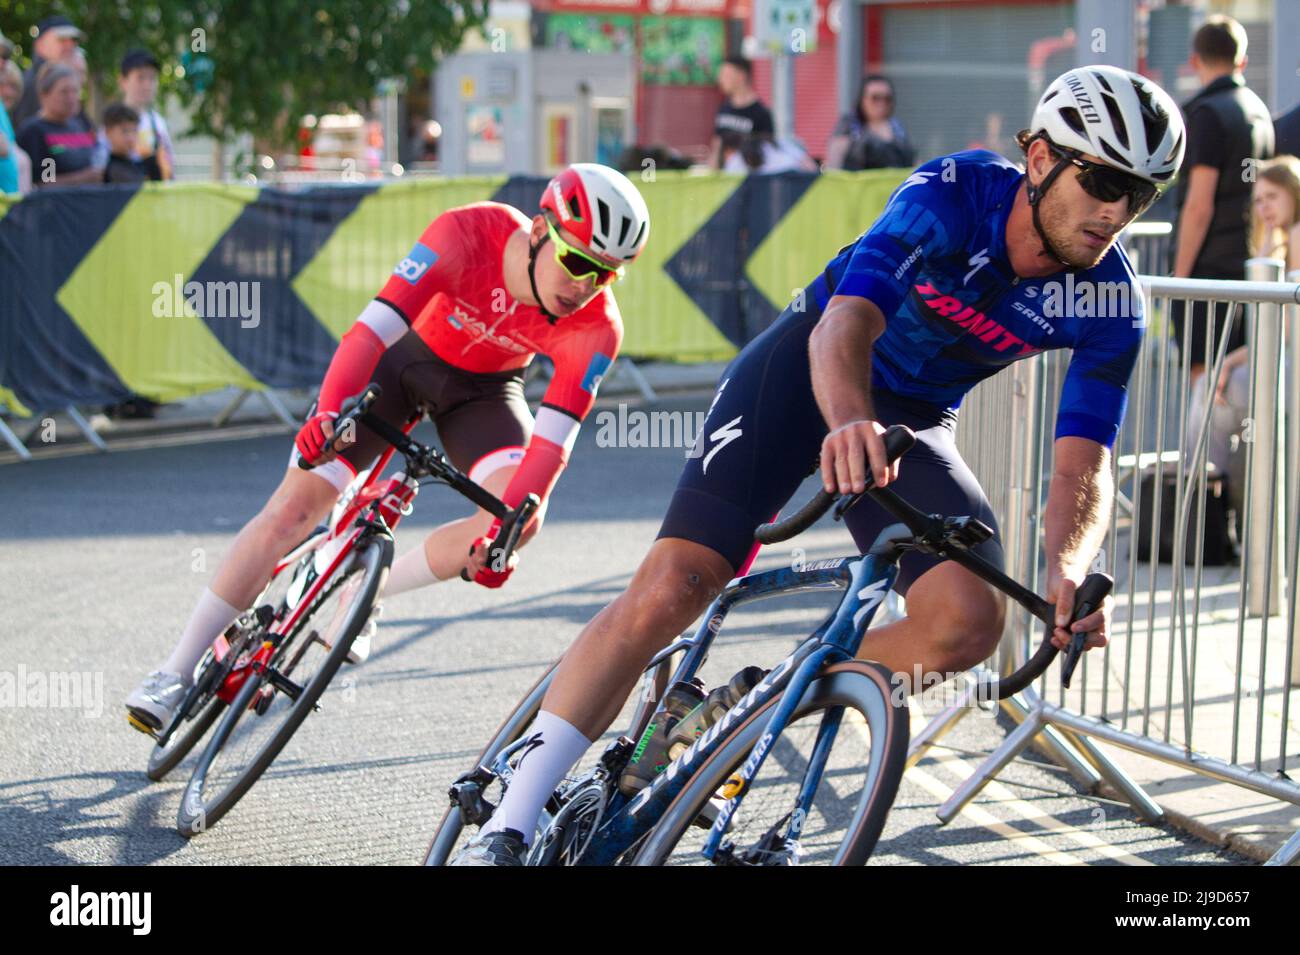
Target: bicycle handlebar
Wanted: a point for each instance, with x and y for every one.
(899, 439)
(356, 410)
(350, 412)
(1090, 595)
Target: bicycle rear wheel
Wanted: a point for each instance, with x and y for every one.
(263, 717)
(854, 795)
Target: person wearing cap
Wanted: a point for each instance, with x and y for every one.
(138, 81)
(56, 39)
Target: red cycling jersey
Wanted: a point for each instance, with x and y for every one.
(451, 291)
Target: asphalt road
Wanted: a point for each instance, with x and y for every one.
(102, 557)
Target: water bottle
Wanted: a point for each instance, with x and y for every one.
(650, 757)
(692, 726)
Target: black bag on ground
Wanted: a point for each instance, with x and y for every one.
(1219, 546)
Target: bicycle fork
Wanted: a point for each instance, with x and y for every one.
(872, 579)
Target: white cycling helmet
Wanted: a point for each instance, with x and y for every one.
(1123, 119)
(601, 207)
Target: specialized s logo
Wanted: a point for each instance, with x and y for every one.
(979, 260)
(728, 433)
(416, 264)
(916, 179)
(533, 742)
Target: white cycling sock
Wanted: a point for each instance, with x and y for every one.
(408, 572)
(211, 616)
(555, 745)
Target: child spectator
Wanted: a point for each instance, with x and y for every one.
(139, 85)
(121, 129)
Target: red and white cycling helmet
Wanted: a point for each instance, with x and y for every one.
(600, 207)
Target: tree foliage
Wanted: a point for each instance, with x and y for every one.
(258, 66)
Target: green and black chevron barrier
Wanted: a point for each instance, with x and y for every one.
(170, 291)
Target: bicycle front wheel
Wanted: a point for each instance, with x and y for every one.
(205, 706)
(263, 716)
(853, 796)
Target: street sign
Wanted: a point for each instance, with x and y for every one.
(786, 26)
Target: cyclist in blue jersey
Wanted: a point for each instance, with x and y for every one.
(968, 269)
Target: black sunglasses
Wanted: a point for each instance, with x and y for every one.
(1108, 183)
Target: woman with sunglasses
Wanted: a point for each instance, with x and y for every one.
(450, 334)
(870, 137)
(957, 278)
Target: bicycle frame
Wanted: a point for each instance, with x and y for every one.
(332, 543)
(866, 580)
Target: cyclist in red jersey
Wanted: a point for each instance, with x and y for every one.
(450, 334)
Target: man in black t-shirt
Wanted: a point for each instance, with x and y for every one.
(741, 110)
(1227, 125)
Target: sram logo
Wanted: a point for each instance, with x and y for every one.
(732, 718)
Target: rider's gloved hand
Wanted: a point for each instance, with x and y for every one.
(480, 567)
(314, 435)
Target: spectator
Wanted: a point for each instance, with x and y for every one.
(122, 132)
(138, 81)
(1227, 125)
(56, 39)
(762, 154)
(10, 151)
(741, 110)
(1287, 127)
(870, 137)
(60, 143)
(1275, 233)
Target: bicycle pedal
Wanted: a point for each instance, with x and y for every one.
(143, 727)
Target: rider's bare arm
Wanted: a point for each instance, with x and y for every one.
(1075, 522)
(839, 354)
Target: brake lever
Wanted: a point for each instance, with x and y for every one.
(1091, 595)
(508, 536)
(350, 412)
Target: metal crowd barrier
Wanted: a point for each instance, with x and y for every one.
(1203, 663)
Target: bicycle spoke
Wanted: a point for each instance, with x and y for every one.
(756, 834)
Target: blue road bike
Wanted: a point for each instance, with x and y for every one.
(805, 766)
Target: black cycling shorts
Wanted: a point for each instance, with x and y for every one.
(762, 437)
(476, 413)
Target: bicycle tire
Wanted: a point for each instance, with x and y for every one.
(198, 814)
(859, 685)
(163, 759)
(452, 823)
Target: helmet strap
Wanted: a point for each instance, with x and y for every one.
(1035, 193)
(532, 278)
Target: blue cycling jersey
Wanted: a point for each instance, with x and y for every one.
(936, 265)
